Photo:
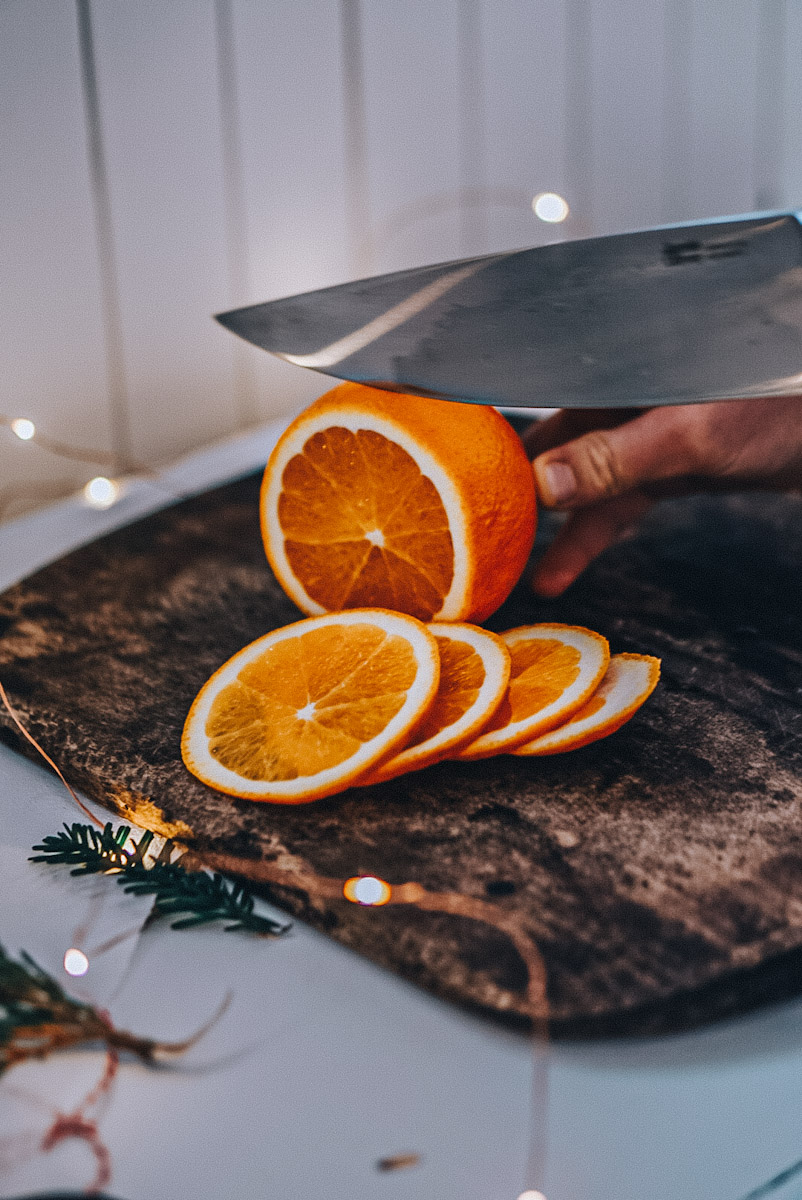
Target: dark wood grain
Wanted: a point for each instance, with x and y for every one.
(659, 871)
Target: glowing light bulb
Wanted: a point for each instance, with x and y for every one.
(531, 1194)
(75, 962)
(23, 428)
(101, 492)
(367, 889)
(548, 206)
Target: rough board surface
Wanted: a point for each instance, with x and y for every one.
(658, 872)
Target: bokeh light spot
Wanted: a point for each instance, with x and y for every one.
(23, 428)
(75, 962)
(367, 889)
(549, 206)
(101, 492)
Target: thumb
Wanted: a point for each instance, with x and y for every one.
(603, 463)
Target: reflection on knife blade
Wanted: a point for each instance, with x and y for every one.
(330, 355)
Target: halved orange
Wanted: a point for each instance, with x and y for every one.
(474, 672)
(371, 498)
(629, 681)
(555, 668)
(304, 711)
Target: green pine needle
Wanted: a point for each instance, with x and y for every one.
(37, 1018)
(175, 890)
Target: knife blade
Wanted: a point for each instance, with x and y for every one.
(674, 315)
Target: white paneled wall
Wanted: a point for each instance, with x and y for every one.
(162, 161)
(52, 361)
(160, 122)
(525, 105)
(289, 97)
(412, 93)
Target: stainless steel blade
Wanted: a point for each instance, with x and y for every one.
(676, 315)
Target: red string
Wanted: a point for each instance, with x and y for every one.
(73, 1125)
(78, 1125)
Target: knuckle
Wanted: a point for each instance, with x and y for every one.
(601, 472)
(697, 445)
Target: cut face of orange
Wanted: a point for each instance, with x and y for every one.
(555, 668)
(629, 681)
(376, 499)
(304, 711)
(474, 671)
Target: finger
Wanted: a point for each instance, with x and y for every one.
(583, 536)
(565, 424)
(605, 462)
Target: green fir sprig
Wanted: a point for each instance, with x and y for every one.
(175, 890)
(37, 1017)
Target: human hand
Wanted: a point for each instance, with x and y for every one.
(606, 467)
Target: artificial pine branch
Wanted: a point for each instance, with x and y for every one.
(37, 1017)
(175, 890)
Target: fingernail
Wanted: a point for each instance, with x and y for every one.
(560, 481)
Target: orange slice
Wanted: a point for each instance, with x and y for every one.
(555, 668)
(304, 711)
(371, 498)
(474, 672)
(630, 679)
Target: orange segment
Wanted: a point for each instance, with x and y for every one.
(304, 711)
(474, 671)
(629, 681)
(555, 668)
(376, 499)
(362, 526)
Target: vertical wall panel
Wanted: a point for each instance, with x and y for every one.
(524, 55)
(722, 77)
(52, 365)
(474, 224)
(579, 126)
(157, 79)
(677, 99)
(255, 148)
(626, 114)
(289, 66)
(769, 122)
(414, 130)
(791, 171)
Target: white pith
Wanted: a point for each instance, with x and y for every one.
(419, 695)
(454, 603)
(594, 658)
(625, 686)
(495, 662)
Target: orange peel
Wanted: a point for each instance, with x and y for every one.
(474, 673)
(375, 499)
(305, 710)
(555, 669)
(628, 682)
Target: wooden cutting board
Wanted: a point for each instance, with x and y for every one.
(655, 876)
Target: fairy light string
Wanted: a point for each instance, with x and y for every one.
(293, 871)
(548, 207)
(288, 870)
(99, 491)
(30, 738)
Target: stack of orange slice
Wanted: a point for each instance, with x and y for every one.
(379, 513)
(362, 696)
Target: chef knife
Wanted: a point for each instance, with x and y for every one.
(674, 315)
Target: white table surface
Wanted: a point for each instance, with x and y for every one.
(324, 1063)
